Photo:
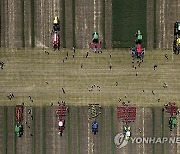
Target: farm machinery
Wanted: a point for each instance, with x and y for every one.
(95, 45)
(137, 52)
(61, 114)
(56, 33)
(56, 40)
(94, 127)
(19, 118)
(56, 24)
(172, 109)
(176, 41)
(94, 111)
(126, 114)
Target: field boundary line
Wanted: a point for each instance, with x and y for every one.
(5, 130)
(63, 23)
(78, 138)
(103, 23)
(102, 132)
(112, 130)
(22, 24)
(69, 132)
(14, 134)
(153, 129)
(43, 129)
(33, 131)
(163, 145)
(74, 22)
(32, 24)
(155, 35)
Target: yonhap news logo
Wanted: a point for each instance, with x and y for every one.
(121, 142)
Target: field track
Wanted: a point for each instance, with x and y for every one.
(42, 76)
(80, 140)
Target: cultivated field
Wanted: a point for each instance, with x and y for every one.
(42, 76)
(78, 138)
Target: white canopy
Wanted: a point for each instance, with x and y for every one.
(60, 123)
(128, 133)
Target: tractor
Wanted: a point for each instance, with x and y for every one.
(95, 45)
(19, 130)
(137, 52)
(127, 114)
(61, 113)
(172, 122)
(93, 112)
(172, 109)
(19, 118)
(56, 24)
(61, 123)
(94, 127)
(127, 132)
(176, 45)
(176, 41)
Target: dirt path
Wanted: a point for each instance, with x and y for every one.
(169, 134)
(38, 137)
(178, 133)
(84, 22)
(1, 129)
(95, 139)
(85, 143)
(60, 145)
(108, 23)
(51, 132)
(27, 23)
(158, 128)
(26, 137)
(10, 129)
(147, 130)
(68, 24)
(74, 130)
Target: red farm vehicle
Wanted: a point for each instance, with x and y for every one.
(19, 118)
(126, 114)
(61, 114)
(56, 40)
(172, 109)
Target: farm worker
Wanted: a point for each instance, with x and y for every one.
(138, 37)
(95, 37)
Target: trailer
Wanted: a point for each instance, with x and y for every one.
(126, 113)
(61, 114)
(172, 109)
(94, 110)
